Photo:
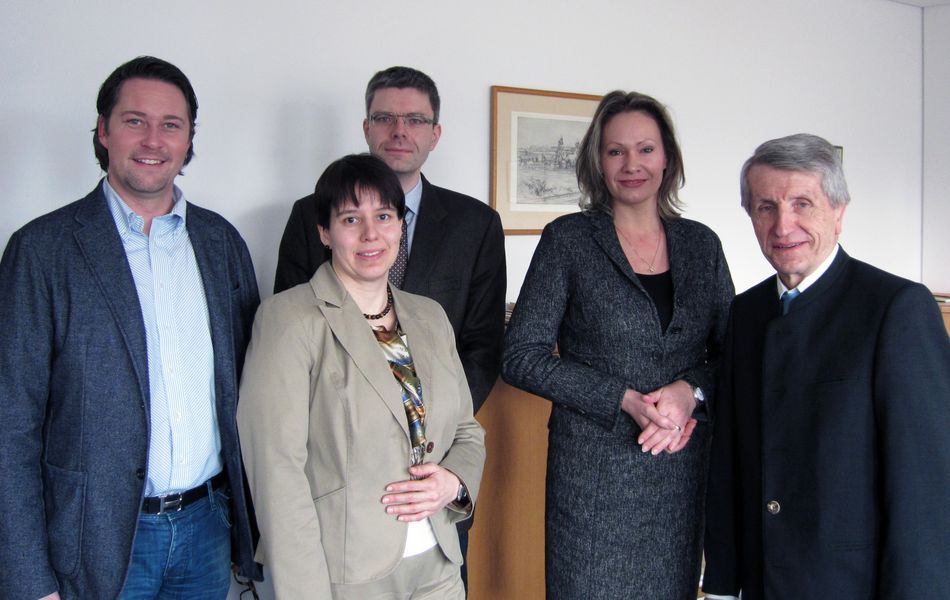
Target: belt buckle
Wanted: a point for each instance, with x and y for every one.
(172, 503)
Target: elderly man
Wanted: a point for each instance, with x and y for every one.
(126, 314)
(830, 468)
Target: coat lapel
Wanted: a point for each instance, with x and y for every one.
(346, 322)
(211, 255)
(606, 237)
(427, 239)
(101, 247)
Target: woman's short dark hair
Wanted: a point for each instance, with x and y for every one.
(143, 67)
(341, 180)
(590, 179)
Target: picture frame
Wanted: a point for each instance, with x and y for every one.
(535, 135)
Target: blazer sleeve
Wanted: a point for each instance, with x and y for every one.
(466, 457)
(722, 291)
(483, 329)
(26, 356)
(528, 361)
(300, 252)
(273, 423)
(912, 403)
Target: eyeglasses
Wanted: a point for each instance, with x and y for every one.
(410, 120)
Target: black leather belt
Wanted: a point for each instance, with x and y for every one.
(158, 505)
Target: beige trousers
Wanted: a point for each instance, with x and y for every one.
(427, 576)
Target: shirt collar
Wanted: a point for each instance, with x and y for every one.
(414, 198)
(129, 222)
(808, 280)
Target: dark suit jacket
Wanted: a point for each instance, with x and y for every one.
(457, 259)
(839, 412)
(74, 396)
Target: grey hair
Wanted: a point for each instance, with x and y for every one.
(800, 152)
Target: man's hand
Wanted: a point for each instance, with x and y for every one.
(420, 498)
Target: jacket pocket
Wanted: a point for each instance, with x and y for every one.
(65, 495)
(331, 512)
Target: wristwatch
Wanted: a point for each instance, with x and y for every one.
(462, 496)
(698, 395)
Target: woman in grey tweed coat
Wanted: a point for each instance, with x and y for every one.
(636, 299)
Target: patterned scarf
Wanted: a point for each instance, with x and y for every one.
(400, 362)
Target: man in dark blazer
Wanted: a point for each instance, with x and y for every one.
(830, 468)
(455, 244)
(126, 317)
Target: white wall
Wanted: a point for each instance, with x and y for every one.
(936, 190)
(281, 95)
(280, 91)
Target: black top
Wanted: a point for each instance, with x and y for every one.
(660, 289)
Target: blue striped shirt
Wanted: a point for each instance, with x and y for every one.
(184, 446)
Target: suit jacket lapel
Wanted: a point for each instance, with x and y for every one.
(606, 237)
(681, 258)
(349, 327)
(427, 239)
(99, 242)
(211, 255)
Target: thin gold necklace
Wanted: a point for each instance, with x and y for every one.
(656, 252)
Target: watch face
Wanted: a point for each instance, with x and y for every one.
(698, 394)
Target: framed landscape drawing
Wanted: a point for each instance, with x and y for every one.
(535, 138)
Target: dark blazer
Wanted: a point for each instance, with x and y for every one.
(619, 523)
(74, 396)
(457, 259)
(838, 413)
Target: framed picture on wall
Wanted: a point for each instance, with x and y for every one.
(535, 137)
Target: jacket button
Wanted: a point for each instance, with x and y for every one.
(140, 473)
(429, 447)
(773, 507)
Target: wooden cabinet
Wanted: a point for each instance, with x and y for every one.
(945, 311)
(506, 544)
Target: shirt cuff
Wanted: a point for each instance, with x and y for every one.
(715, 597)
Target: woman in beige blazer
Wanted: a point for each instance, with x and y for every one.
(355, 417)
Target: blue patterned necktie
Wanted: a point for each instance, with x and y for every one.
(787, 298)
(397, 273)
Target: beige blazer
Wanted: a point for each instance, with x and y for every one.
(323, 430)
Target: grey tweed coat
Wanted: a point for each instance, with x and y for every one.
(619, 523)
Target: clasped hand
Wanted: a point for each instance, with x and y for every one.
(416, 499)
(664, 416)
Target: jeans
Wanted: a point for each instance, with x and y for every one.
(182, 555)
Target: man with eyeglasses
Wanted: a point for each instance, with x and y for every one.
(453, 248)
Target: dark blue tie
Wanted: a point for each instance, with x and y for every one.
(787, 298)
